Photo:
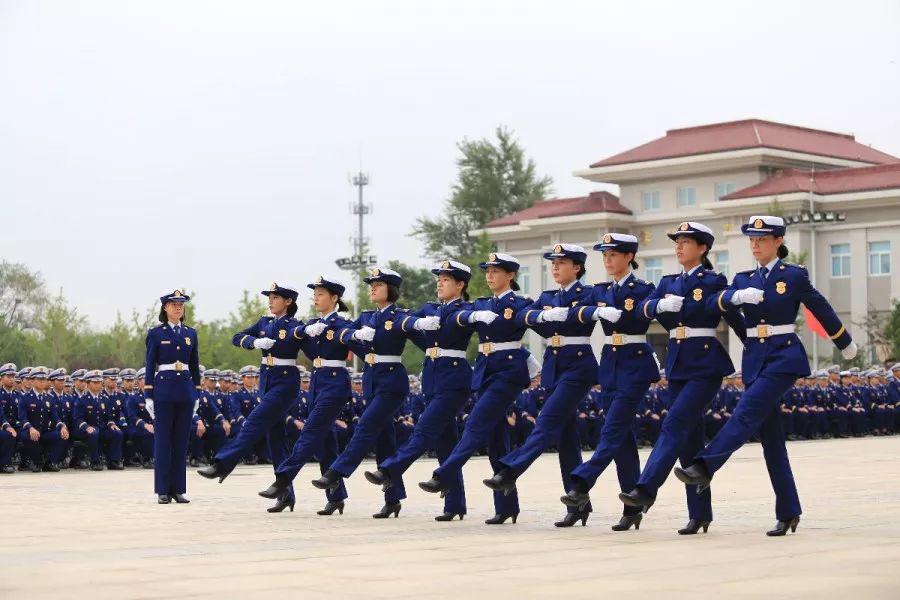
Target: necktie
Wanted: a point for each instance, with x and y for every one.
(763, 271)
(178, 330)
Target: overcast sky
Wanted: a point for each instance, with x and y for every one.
(147, 145)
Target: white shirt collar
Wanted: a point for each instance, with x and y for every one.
(452, 300)
(325, 318)
(509, 291)
(568, 287)
(624, 279)
(770, 266)
(174, 325)
(386, 307)
(691, 272)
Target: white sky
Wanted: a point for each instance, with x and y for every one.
(146, 145)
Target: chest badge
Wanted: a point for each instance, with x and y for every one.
(781, 287)
(698, 294)
(388, 325)
(629, 303)
(282, 334)
(330, 335)
(187, 341)
(47, 404)
(507, 313)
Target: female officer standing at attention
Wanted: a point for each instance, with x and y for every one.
(695, 364)
(375, 338)
(627, 368)
(770, 296)
(278, 387)
(171, 384)
(568, 373)
(446, 380)
(329, 392)
(501, 373)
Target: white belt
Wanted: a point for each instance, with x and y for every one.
(562, 340)
(489, 347)
(176, 366)
(374, 359)
(271, 361)
(620, 339)
(764, 331)
(318, 363)
(682, 333)
(434, 353)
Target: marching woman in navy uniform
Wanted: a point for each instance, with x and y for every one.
(278, 387)
(627, 368)
(696, 362)
(329, 392)
(568, 373)
(446, 380)
(769, 296)
(378, 340)
(171, 385)
(501, 373)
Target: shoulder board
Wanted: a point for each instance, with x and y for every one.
(525, 297)
(672, 275)
(483, 298)
(793, 265)
(642, 281)
(599, 283)
(432, 303)
(367, 312)
(747, 272)
(549, 291)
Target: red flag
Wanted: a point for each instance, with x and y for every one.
(813, 323)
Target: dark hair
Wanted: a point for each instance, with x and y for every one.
(513, 285)
(633, 263)
(782, 251)
(704, 260)
(163, 317)
(465, 291)
(292, 308)
(393, 293)
(341, 307)
(583, 271)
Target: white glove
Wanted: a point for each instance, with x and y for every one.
(607, 313)
(747, 296)
(670, 304)
(196, 406)
(365, 334)
(148, 404)
(263, 343)
(428, 324)
(849, 353)
(534, 367)
(558, 314)
(315, 329)
(485, 316)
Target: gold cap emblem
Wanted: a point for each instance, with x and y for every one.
(274, 287)
(683, 227)
(320, 279)
(557, 249)
(607, 239)
(757, 224)
(445, 264)
(492, 257)
(376, 272)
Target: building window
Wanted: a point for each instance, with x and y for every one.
(879, 258)
(686, 196)
(524, 280)
(651, 201)
(723, 189)
(653, 270)
(840, 260)
(543, 275)
(721, 263)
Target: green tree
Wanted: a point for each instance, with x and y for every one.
(22, 294)
(494, 178)
(892, 331)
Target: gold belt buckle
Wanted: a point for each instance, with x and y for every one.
(433, 352)
(487, 348)
(179, 366)
(270, 360)
(370, 358)
(556, 341)
(317, 362)
(680, 332)
(762, 331)
(618, 339)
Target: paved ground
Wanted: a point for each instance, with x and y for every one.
(101, 535)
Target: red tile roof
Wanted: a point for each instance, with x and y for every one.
(595, 202)
(832, 181)
(749, 133)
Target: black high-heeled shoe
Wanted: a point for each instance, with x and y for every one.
(163, 499)
(379, 477)
(696, 474)
(212, 471)
(390, 508)
(448, 516)
(502, 482)
(693, 526)
(180, 499)
(281, 504)
(627, 521)
(573, 517)
(277, 489)
(331, 480)
(330, 507)
(637, 498)
(575, 499)
(500, 519)
(433, 486)
(781, 527)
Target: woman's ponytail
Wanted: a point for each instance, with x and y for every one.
(704, 260)
(634, 264)
(341, 307)
(782, 252)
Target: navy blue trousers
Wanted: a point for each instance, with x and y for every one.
(172, 428)
(375, 428)
(682, 437)
(435, 430)
(486, 426)
(7, 447)
(757, 412)
(316, 440)
(142, 441)
(617, 441)
(555, 426)
(50, 445)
